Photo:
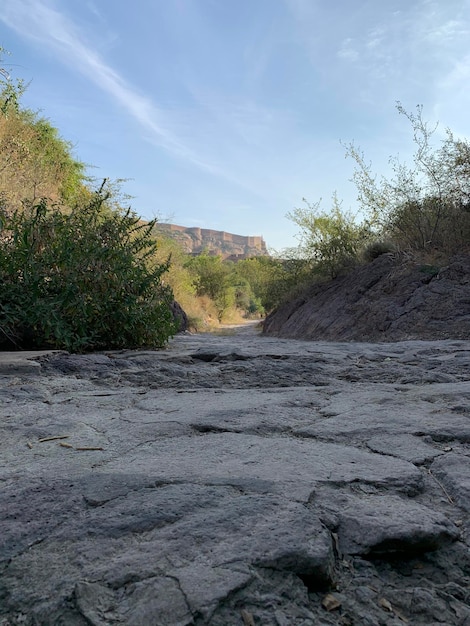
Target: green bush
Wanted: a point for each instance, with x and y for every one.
(82, 280)
(430, 270)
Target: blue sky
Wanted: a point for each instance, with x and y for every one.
(226, 113)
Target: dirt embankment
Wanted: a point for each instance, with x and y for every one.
(386, 300)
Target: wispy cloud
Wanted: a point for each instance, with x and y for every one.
(94, 9)
(348, 50)
(404, 54)
(40, 22)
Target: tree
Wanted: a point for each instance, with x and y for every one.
(212, 278)
(425, 205)
(328, 240)
(209, 274)
(270, 279)
(35, 161)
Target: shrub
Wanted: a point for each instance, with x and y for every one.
(83, 280)
(423, 206)
(377, 248)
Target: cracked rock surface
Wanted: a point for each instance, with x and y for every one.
(237, 479)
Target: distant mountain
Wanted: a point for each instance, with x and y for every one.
(216, 242)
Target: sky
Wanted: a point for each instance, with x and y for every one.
(225, 114)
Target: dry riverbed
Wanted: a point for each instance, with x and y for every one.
(237, 479)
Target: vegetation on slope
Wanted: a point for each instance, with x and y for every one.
(77, 271)
(423, 209)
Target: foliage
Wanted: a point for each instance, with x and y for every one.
(272, 278)
(259, 273)
(83, 280)
(11, 91)
(178, 276)
(209, 274)
(234, 288)
(425, 205)
(329, 241)
(76, 271)
(35, 162)
(212, 277)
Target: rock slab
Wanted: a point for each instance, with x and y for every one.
(237, 479)
(386, 300)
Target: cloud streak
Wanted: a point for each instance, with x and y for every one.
(235, 133)
(38, 21)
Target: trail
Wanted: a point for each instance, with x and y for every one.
(236, 479)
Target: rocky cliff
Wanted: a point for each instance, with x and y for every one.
(386, 300)
(197, 240)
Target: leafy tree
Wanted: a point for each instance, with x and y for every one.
(331, 240)
(269, 279)
(245, 298)
(11, 91)
(179, 276)
(209, 274)
(76, 270)
(212, 278)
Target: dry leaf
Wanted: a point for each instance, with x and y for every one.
(247, 618)
(330, 603)
(385, 604)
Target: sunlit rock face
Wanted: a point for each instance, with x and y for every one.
(229, 246)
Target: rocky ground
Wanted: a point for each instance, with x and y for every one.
(390, 299)
(237, 479)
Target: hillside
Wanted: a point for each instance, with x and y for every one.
(386, 300)
(197, 240)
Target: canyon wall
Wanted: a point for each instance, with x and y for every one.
(196, 240)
